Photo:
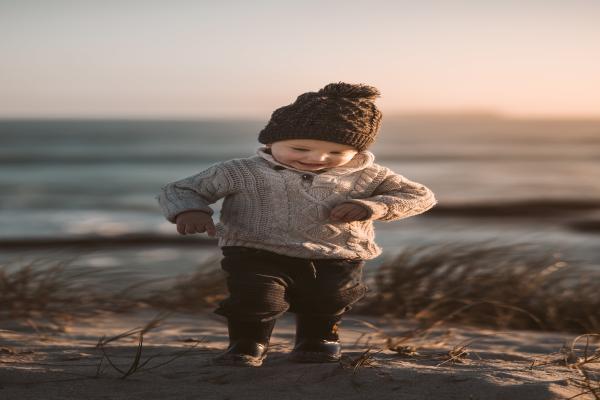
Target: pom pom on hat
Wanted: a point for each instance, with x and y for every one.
(348, 90)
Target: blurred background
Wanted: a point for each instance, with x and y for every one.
(493, 105)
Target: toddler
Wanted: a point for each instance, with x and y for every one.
(296, 225)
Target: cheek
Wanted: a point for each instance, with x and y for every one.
(279, 152)
(344, 160)
(290, 155)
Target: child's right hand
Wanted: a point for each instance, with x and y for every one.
(190, 222)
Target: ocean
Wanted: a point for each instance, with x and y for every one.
(82, 179)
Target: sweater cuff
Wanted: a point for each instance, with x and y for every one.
(376, 209)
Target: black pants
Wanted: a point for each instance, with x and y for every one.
(263, 285)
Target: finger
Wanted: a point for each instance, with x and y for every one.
(199, 228)
(343, 207)
(340, 211)
(362, 217)
(335, 214)
(341, 215)
(355, 214)
(181, 229)
(349, 208)
(189, 228)
(210, 229)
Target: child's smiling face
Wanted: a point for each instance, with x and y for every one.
(310, 154)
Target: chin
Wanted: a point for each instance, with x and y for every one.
(312, 166)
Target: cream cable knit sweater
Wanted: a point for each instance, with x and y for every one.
(274, 207)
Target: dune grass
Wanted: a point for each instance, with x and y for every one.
(499, 286)
(43, 290)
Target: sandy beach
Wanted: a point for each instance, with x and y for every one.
(449, 362)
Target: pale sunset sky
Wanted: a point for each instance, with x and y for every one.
(188, 59)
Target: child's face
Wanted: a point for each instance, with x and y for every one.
(310, 154)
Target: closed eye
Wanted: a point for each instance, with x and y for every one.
(332, 152)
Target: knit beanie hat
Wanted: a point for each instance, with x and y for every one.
(340, 112)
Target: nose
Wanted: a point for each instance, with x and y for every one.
(318, 158)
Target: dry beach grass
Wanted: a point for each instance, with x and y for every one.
(501, 286)
(445, 308)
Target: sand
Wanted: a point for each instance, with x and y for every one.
(37, 362)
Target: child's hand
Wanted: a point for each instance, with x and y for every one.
(190, 222)
(348, 212)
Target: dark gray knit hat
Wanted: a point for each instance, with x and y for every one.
(340, 112)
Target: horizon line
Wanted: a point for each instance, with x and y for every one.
(429, 113)
(241, 117)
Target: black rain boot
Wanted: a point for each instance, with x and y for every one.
(248, 343)
(317, 339)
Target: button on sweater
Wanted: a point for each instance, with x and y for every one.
(271, 206)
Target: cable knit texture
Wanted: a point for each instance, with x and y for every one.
(271, 206)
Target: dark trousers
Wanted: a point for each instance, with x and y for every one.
(263, 285)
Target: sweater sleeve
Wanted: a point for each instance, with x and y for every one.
(397, 197)
(196, 192)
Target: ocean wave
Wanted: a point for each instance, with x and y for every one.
(94, 241)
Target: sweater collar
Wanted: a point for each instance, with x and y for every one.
(360, 161)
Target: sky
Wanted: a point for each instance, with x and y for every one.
(178, 58)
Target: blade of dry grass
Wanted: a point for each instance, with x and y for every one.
(137, 365)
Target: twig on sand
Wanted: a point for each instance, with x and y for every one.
(458, 353)
(137, 365)
(365, 359)
(584, 365)
(589, 381)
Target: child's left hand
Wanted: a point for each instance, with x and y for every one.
(348, 212)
